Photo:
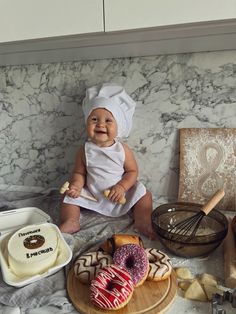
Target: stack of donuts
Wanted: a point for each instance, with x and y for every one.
(121, 265)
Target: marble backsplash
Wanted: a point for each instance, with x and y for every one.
(42, 125)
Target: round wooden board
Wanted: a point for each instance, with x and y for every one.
(151, 297)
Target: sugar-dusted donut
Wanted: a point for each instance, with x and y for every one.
(134, 259)
(87, 266)
(119, 239)
(112, 288)
(159, 265)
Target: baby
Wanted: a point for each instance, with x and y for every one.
(104, 163)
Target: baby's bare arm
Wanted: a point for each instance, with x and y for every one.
(78, 176)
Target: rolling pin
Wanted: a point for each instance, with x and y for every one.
(230, 258)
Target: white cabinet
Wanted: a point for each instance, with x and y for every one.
(135, 14)
(36, 19)
(42, 31)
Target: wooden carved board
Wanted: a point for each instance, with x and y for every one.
(150, 298)
(207, 163)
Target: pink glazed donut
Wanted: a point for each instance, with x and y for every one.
(112, 288)
(134, 259)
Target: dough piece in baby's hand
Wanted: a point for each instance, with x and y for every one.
(122, 201)
(195, 292)
(208, 279)
(183, 273)
(64, 187)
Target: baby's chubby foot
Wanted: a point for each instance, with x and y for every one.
(70, 226)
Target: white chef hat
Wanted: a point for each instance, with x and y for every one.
(115, 99)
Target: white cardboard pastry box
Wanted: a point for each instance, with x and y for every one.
(10, 222)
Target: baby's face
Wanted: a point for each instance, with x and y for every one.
(101, 127)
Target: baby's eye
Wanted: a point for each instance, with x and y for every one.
(109, 120)
(93, 119)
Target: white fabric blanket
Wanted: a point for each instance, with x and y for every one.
(49, 295)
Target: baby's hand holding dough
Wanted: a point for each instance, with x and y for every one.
(65, 187)
(122, 201)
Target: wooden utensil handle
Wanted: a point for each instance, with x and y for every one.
(213, 201)
(230, 258)
(83, 193)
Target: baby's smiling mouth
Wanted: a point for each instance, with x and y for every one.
(101, 132)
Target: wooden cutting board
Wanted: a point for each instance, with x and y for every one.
(150, 298)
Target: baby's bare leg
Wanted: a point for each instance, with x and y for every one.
(142, 216)
(70, 215)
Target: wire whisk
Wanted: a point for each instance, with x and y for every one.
(188, 228)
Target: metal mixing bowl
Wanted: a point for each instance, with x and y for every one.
(211, 232)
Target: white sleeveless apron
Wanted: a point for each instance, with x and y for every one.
(105, 167)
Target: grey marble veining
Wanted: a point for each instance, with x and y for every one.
(42, 125)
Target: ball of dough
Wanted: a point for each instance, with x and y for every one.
(183, 273)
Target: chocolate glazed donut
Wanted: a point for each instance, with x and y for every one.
(34, 241)
(88, 265)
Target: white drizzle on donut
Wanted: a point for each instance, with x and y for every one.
(159, 265)
(88, 265)
(111, 288)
